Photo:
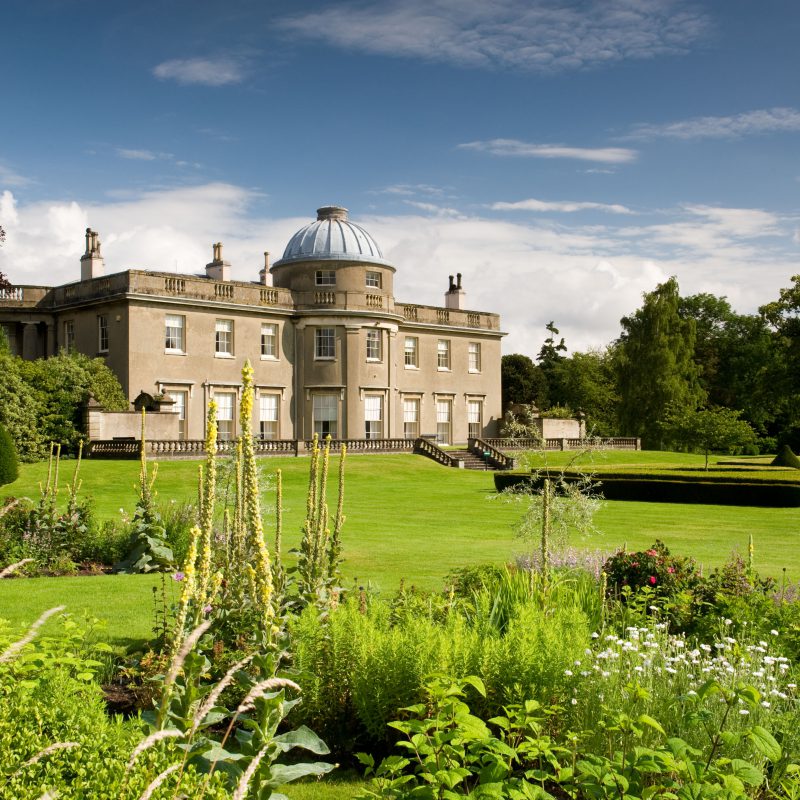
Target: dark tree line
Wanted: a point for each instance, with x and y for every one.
(674, 357)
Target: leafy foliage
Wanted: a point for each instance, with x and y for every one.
(522, 381)
(149, 552)
(9, 467)
(655, 366)
(61, 386)
(708, 429)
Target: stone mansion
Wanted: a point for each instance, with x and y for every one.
(332, 350)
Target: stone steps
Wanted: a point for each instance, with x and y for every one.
(471, 461)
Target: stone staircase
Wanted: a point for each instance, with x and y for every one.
(471, 461)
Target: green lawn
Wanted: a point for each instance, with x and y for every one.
(407, 517)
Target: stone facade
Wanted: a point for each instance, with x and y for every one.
(333, 351)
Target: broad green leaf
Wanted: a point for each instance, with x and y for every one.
(302, 737)
(765, 743)
(645, 719)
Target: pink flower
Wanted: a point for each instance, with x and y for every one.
(670, 570)
(178, 576)
(652, 580)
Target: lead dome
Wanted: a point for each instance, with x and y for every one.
(332, 236)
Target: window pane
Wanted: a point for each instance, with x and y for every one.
(180, 408)
(325, 343)
(474, 408)
(174, 324)
(374, 280)
(225, 403)
(224, 336)
(325, 277)
(373, 416)
(474, 357)
(374, 345)
(410, 419)
(443, 354)
(269, 340)
(372, 408)
(411, 345)
(443, 408)
(102, 333)
(268, 416)
(325, 408)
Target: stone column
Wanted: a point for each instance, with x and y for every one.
(391, 381)
(52, 346)
(30, 341)
(354, 427)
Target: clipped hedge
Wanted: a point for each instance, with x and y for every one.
(652, 488)
(9, 464)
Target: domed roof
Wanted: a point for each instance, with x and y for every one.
(332, 237)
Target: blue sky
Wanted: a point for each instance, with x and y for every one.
(564, 156)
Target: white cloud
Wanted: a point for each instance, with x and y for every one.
(143, 155)
(517, 148)
(410, 189)
(432, 208)
(529, 270)
(205, 71)
(560, 206)
(9, 177)
(750, 123)
(529, 35)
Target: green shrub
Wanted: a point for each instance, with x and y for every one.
(661, 487)
(9, 463)
(363, 664)
(655, 568)
(786, 458)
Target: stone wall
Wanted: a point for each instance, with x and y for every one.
(128, 424)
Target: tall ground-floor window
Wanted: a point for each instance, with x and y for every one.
(411, 418)
(325, 412)
(373, 416)
(181, 399)
(444, 416)
(268, 416)
(225, 404)
(474, 426)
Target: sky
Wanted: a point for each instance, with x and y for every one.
(565, 157)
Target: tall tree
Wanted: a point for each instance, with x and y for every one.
(587, 383)
(521, 381)
(655, 366)
(783, 317)
(549, 359)
(4, 283)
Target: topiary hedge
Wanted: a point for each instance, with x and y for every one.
(716, 490)
(9, 464)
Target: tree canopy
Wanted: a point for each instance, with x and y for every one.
(708, 429)
(655, 365)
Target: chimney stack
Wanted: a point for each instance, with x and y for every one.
(218, 269)
(454, 297)
(264, 273)
(92, 265)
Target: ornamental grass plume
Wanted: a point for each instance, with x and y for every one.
(247, 775)
(12, 650)
(12, 568)
(221, 685)
(157, 781)
(175, 667)
(153, 738)
(46, 752)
